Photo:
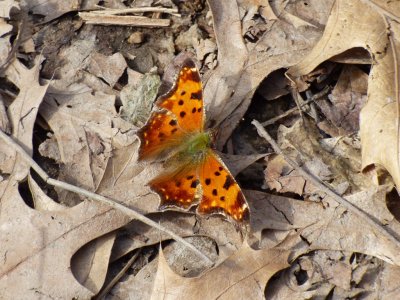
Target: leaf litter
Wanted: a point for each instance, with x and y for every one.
(75, 94)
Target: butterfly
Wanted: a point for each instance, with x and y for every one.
(194, 173)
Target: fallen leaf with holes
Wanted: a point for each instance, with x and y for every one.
(316, 277)
(235, 83)
(326, 225)
(343, 108)
(47, 237)
(379, 117)
(242, 276)
(336, 160)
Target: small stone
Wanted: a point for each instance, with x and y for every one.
(136, 38)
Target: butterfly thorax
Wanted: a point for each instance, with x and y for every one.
(195, 147)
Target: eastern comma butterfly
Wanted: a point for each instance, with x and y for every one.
(194, 174)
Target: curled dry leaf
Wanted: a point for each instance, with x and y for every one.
(345, 102)
(45, 238)
(242, 276)
(377, 32)
(360, 277)
(22, 114)
(109, 68)
(230, 86)
(138, 235)
(328, 226)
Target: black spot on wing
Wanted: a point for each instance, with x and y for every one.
(173, 122)
(196, 95)
(194, 184)
(228, 182)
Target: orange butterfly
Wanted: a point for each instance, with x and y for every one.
(194, 173)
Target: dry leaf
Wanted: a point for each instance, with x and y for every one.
(345, 102)
(379, 118)
(109, 68)
(242, 276)
(139, 235)
(22, 114)
(43, 239)
(328, 225)
(137, 99)
(5, 8)
(230, 86)
(52, 9)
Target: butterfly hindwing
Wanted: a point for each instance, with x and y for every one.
(220, 192)
(180, 188)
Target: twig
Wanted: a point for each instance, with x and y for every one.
(110, 285)
(69, 187)
(325, 187)
(110, 11)
(296, 109)
(138, 21)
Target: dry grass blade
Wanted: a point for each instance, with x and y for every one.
(69, 187)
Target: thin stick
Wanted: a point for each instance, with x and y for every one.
(296, 109)
(110, 285)
(324, 187)
(110, 11)
(69, 187)
(138, 21)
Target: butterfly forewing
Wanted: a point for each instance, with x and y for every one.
(177, 114)
(185, 101)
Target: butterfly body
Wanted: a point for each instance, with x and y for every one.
(194, 174)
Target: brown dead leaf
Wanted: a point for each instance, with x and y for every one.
(340, 275)
(5, 8)
(243, 65)
(36, 244)
(137, 98)
(345, 102)
(52, 9)
(22, 114)
(242, 276)
(333, 160)
(109, 68)
(84, 125)
(377, 32)
(139, 235)
(327, 225)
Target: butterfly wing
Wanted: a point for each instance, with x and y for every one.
(220, 191)
(177, 113)
(179, 188)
